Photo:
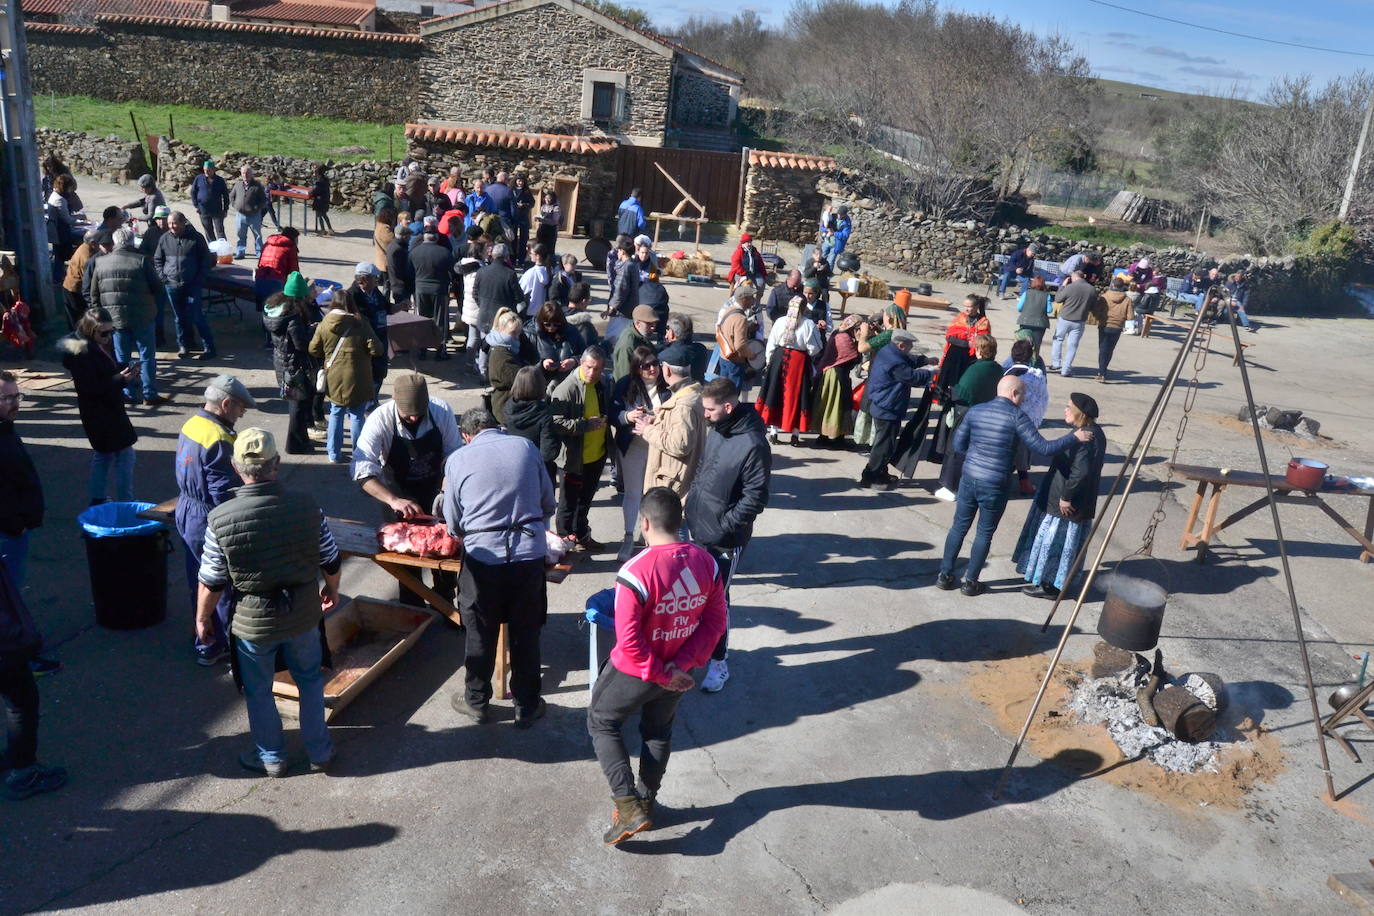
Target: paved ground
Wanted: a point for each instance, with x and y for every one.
(845, 766)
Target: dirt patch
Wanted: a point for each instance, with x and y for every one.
(1008, 687)
(1293, 442)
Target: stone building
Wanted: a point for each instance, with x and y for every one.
(558, 67)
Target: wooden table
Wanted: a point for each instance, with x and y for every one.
(411, 332)
(356, 539)
(1284, 492)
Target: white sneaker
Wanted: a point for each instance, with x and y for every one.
(946, 494)
(717, 673)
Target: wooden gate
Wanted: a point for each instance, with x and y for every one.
(712, 178)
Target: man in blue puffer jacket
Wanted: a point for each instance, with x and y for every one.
(894, 371)
(205, 478)
(988, 438)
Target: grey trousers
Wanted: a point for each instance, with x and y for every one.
(616, 697)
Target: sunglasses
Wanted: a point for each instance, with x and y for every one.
(648, 366)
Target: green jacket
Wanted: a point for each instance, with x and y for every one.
(624, 348)
(348, 376)
(978, 383)
(569, 403)
(271, 542)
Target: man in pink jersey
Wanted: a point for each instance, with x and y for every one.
(669, 614)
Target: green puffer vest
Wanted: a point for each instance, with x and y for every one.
(271, 542)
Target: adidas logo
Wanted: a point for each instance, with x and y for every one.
(686, 595)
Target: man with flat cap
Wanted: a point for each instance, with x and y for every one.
(271, 545)
(205, 478)
(988, 438)
(399, 459)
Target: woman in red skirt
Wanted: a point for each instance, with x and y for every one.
(785, 400)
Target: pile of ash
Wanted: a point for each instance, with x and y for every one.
(1111, 701)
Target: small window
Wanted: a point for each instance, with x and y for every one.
(603, 101)
(427, 11)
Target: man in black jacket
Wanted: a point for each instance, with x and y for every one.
(182, 260)
(400, 277)
(432, 265)
(729, 491)
(496, 287)
(21, 500)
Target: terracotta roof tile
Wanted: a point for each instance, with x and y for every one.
(175, 9)
(58, 28)
(770, 160)
(263, 28)
(323, 12)
(511, 139)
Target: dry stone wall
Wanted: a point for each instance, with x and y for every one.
(267, 71)
(541, 89)
(109, 158)
(699, 101)
(784, 204)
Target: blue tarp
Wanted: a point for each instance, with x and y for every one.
(117, 520)
(601, 609)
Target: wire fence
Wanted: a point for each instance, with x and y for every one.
(1090, 190)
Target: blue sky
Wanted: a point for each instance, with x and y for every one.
(1125, 46)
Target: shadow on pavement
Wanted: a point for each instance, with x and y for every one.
(942, 795)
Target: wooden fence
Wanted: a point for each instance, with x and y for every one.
(712, 178)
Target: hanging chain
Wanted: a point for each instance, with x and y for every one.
(1202, 345)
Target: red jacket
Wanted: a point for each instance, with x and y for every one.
(738, 268)
(279, 258)
(669, 607)
(446, 222)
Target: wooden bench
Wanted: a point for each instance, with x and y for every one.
(1148, 320)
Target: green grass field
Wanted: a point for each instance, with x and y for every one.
(218, 132)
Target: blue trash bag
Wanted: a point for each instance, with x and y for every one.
(601, 609)
(118, 520)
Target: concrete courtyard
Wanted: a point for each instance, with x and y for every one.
(849, 762)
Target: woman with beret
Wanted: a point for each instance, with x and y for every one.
(1061, 517)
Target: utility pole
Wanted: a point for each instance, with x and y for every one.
(1355, 164)
(22, 226)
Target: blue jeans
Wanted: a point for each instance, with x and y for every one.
(257, 667)
(1194, 298)
(223, 607)
(1243, 318)
(1066, 336)
(190, 316)
(333, 442)
(143, 340)
(246, 222)
(122, 463)
(1002, 282)
(14, 553)
(988, 501)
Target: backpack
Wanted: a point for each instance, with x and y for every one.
(722, 345)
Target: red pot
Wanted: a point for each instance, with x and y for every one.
(1306, 474)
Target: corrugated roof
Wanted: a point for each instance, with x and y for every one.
(768, 160)
(324, 12)
(174, 9)
(735, 75)
(263, 28)
(511, 139)
(58, 28)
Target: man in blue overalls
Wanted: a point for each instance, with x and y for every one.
(399, 460)
(205, 478)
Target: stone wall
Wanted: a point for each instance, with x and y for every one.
(109, 159)
(699, 101)
(350, 183)
(782, 204)
(524, 71)
(596, 173)
(251, 68)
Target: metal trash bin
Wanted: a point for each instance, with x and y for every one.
(127, 559)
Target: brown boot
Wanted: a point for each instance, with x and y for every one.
(629, 817)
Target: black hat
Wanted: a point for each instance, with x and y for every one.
(1085, 404)
(676, 354)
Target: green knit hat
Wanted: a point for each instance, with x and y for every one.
(297, 287)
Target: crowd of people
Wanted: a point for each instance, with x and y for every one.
(684, 433)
